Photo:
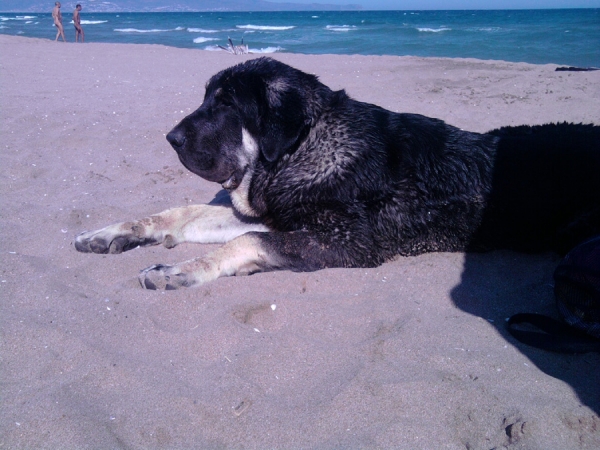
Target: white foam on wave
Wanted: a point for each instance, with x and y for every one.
(490, 29)
(92, 22)
(264, 27)
(266, 50)
(340, 27)
(4, 18)
(216, 48)
(135, 30)
(200, 40)
(433, 30)
(201, 30)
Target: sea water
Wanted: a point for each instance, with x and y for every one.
(560, 36)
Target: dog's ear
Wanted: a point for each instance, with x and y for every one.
(291, 107)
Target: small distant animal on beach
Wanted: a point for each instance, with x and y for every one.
(314, 179)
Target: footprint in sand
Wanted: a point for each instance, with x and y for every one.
(261, 317)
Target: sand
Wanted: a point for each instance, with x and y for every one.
(410, 355)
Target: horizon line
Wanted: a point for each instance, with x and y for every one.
(310, 10)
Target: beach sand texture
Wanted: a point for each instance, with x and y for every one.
(410, 355)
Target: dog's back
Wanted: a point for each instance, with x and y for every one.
(526, 188)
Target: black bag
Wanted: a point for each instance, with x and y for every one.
(577, 292)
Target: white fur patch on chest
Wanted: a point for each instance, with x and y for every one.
(247, 155)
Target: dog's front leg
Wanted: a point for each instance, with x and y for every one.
(241, 256)
(196, 223)
(260, 252)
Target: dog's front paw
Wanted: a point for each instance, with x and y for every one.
(113, 239)
(166, 278)
(89, 242)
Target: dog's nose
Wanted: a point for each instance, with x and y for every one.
(176, 138)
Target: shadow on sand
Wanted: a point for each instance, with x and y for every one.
(498, 284)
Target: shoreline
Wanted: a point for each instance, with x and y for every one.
(412, 354)
(258, 54)
(276, 53)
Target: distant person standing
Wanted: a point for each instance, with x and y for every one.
(57, 16)
(77, 23)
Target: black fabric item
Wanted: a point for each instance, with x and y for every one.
(549, 334)
(575, 69)
(577, 293)
(577, 287)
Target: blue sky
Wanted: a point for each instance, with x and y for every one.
(459, 4)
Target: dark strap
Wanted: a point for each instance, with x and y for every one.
(553, 335)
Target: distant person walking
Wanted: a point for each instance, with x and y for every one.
(77, 23)
(57, 16)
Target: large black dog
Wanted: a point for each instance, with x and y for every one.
(317, 179)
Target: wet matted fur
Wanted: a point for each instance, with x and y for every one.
(316, 179)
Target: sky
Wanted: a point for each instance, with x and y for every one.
(458, 4)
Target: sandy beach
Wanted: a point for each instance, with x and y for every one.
(410, 355)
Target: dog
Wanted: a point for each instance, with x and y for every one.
(315, 179)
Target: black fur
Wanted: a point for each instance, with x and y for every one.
(343, 183)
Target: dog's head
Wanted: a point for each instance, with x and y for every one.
(260, 109)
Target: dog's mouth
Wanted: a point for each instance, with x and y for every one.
(231, 183)
(234, 181)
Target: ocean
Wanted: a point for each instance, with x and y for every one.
(565, 37)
